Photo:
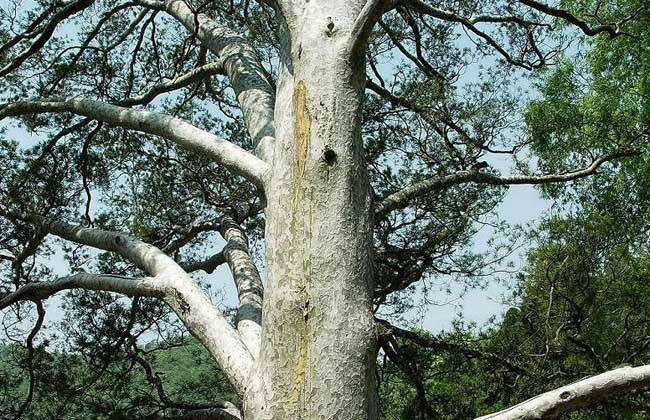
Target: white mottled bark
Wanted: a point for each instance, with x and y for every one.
(317, 359)
(249, 284)
(229, 155)
(577, 395)
(180, 292)
(148, 286)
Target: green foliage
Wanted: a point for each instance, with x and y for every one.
(70, 386)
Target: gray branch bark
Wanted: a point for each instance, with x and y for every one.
(242, 66)
(172, 284)
(402, 198)
(248, 282)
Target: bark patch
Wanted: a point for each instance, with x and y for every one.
(302, 132)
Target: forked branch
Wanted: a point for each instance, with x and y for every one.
(403, 198)
(240, 63)
(173, 285)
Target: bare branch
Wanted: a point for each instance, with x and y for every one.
(208, 265)
(240, 63)
(439, 345)
(181, 293)
(30, 359)
(577, 395)
(179, 131)
(217, 410)
(177, 83)
(38, 291)
(470, 23)
(402, 198)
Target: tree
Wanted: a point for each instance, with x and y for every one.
(361, 186)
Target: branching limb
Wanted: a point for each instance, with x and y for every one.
(179, 131)
(438, 345)
(181, 293)
(240, 63)
(409, 368)
(470, 24)
(577, 395)
(217, 409)
(612, 29)
(402, 198)
(183, 80)
(187, 235)
(38, 291)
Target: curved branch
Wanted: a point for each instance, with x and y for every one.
(208, 265)
(218, 410)
(436, 344)
(242, 66)
(402, 198)
(179, 131)
(469, 23)
(30, 360)
(177, 83)
(577, 395)
(369, 15)
(613, 29)
(181, 293)
(38, 291)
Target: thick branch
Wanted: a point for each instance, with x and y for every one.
(240, 63)
(181, 293)
(402, 198)
(248, 282)
(369, 15)
(577, 395)
(208, 265)
(38, 291)
(181, 132)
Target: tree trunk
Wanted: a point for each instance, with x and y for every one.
(318, 350)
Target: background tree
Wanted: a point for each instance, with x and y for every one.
(579, 307)
(359, 173)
